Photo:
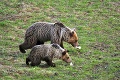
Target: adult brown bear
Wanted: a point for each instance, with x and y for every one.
(41, 32)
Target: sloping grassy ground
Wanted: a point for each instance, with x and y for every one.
(98, 27)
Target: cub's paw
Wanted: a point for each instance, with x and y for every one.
(53, 65)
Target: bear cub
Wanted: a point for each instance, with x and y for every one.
(46, 53)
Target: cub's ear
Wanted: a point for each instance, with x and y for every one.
(71, 33)
(65, 50)
(55, 45)
(64, 53)
(59, 24)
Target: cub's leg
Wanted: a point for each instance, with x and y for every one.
(36, 60)
(27, 61)
(48, 60)
(35, 63)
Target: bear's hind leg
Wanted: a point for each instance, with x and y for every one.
(49, 62)
(27, 45)
(21, 48)
(36, 61)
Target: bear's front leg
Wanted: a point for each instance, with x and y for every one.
(61, 44)
(53, 65)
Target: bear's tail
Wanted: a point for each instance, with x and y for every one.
(27, 61)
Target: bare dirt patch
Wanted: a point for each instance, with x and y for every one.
(100, 46)
(24, 12)
(116, 6)
(117, 44)
(100, 67)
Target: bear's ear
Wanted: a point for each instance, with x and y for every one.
(71, 33)
(64, 53)
(55, 45)
(74, 29)
(59, 24)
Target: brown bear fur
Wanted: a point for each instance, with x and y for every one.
(46, 53)
(41, 32)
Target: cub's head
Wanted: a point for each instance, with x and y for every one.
(65, 57)
(61, 53)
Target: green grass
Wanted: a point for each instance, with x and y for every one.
(98, 27)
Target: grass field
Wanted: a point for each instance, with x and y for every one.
(97, 24)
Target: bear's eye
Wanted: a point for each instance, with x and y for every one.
(76, 40)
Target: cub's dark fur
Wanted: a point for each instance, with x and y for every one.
(46, 53)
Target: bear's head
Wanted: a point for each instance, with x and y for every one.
(73, 38)
(65, 57)
(68, 35)
(61, 53)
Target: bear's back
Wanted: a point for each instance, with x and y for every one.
(41, 30)
(41, 50)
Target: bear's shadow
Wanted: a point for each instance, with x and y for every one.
(42, 65)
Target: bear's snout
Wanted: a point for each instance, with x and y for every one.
(75, 44)
(67, 60)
